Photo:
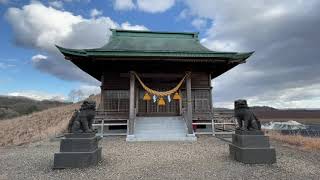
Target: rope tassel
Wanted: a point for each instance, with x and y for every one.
(176, 96)
(146, 97)
(161, 102)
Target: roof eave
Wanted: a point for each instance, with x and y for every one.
(74, 52)
(231, 56)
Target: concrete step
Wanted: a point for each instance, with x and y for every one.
(160, 129)
(186, 139)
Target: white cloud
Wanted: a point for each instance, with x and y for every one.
(221, 45)
(39, 57)
(128, 26)
(95, 12)
(184, 14)
(41, 27)
(296, 97)
(37, 95)
(87, 89)
(56, 4)
(123, 5)
(155, 6)
(151, 6)
(286, 48)
(83, 92)
(199, 23)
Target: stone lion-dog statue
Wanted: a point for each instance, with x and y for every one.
(246, 119)
(81, 120)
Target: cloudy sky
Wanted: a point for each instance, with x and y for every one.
(284, 72)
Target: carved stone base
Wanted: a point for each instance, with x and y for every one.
(78, 151)
(252, 149)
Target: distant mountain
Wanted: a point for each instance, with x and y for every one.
(254, 108)
(221, 109)
(263, 108)
(267, 112)
(14, 106)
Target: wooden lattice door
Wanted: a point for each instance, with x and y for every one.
(151, 108)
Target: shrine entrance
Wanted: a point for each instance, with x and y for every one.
(152, 108)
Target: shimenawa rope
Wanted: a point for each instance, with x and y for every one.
(161, 93)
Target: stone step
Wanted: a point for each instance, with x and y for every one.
(187, 139)
(160, 129)
(160, 132)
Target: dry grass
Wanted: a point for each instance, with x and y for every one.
(308, 143)
(37, 126)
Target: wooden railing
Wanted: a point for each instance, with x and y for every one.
(106, 119)
(221, 123)
(224, 122)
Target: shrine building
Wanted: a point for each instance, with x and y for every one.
(154, 85)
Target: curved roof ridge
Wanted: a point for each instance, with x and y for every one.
(155, 32)
(147, 33)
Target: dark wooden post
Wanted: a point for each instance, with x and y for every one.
(131, 104)
(210, 93)
(101, 107)
(136, 100)
(189, 105)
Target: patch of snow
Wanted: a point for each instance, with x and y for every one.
(289, 125)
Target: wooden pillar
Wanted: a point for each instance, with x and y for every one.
(210, 93)
(180, 103)
(211, 106)
(131, 104)
(136, 100)
(189, 105)
(101, 106)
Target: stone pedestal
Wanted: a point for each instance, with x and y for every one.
(252, 147)
(78, 151)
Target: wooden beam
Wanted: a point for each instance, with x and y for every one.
(131, 104)
(189, 105)
(156, 75)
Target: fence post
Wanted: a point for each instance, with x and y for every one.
(213, 128)
(102, 128)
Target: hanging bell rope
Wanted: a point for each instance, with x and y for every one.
(161, 93)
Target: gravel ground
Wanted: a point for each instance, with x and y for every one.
(205, 159)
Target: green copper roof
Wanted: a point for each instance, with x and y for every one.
(128, 43)
(153, 41)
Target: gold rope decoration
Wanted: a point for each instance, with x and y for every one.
(161, 93)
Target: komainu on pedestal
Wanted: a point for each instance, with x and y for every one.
(249, 144)
(79, 147)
